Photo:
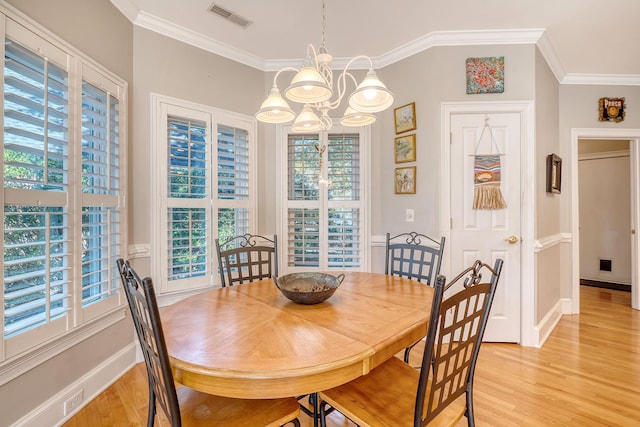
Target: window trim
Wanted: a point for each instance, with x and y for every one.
(23, 29)
(282, 203)
(158, 174)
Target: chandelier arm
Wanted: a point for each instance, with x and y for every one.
(342, 89)
(295, 70)
(312, 50)
(359, 57)
(342, 84)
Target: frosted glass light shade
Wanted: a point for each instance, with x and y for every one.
(275, 109)
(308, 87)
(307, 121)
(355, 118)
(371, 96)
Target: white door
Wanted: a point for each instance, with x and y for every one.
(488, 234)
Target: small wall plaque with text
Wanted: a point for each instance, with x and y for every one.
(612, 109)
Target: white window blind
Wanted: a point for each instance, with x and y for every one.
(189, 223)
(233, 182)
(101, 227)
(204, 156)
(36, 157)
(324, 203)
(63, 190)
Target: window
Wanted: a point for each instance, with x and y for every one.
(205, 188)
(326, 220)
(63, 191)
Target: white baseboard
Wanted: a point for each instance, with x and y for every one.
(549, 322)
(88, 387)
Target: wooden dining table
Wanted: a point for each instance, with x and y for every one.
(249, 341)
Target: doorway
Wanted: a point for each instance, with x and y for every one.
(632, 135)
(605, 213)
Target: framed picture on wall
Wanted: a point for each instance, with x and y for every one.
(405, 148)
(405, 118)
(405, 180)
(554, 173)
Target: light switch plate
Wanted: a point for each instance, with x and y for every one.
(409, 215)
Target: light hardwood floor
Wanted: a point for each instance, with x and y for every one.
(586, 374)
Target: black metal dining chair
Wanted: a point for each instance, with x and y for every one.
(415, 256)
(185, 405)
(247, 258)
(395, 395)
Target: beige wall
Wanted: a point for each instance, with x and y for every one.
(97, 29)
(549, 269)
(171, 68)
(429, 79)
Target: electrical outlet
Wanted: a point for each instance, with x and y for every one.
(73, 402)
(408, 215)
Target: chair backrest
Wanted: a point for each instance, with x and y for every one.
(146, 319)
(453, 342)
(246, 258)
(407, 256)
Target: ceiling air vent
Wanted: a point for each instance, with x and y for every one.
(229, 16)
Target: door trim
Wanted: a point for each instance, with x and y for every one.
(527, 138)
(632, 135)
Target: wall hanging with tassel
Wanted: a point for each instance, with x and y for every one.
(486, 177)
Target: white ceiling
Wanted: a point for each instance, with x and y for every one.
(591, 41)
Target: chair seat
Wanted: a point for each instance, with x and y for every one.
(386, 397)
(201, 409)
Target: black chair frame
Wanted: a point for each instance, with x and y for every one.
(246, 258)
(407, 256)
(454, 340)
(142, 302)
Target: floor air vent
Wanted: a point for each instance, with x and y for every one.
(229, 16)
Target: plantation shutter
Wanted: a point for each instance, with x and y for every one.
(324, 202)
(233, 182)
(36, 184)
(101, 222)
(343, 218)
(189, 198)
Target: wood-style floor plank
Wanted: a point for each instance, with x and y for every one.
(586, 374)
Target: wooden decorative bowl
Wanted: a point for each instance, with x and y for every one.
(308, 288)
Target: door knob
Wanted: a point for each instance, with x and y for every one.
(633, 231)
(512, 240)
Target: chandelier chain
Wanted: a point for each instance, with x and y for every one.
(324, 24)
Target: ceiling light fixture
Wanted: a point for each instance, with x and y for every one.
(313, 86)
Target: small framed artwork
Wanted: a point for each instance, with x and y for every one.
(612, 110)
(405, 148)
(405, 180)
(554, 173)
(405, 118)
(485, 75)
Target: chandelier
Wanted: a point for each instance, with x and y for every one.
(313, 87)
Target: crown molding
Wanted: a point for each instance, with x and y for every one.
(549, 54)
(535, 36)
(459, 38)
(186, 35)
(601, 79)
(127, 8)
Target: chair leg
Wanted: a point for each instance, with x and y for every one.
(313, 398)
(469, 412)
(323, 414)
(151, 413)
(406, 354)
